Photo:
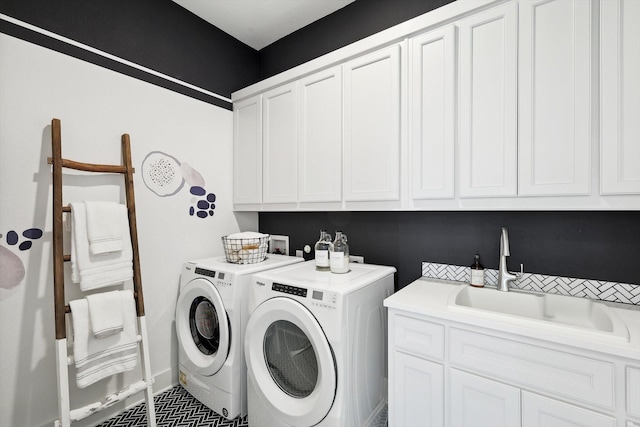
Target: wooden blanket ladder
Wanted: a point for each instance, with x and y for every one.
(63, 360)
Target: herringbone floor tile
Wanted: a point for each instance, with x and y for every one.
(174, 408)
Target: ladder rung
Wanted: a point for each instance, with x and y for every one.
(90, 409)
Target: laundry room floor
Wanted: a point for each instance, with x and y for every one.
(174, 408)
(177, 408)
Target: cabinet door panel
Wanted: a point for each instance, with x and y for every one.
(476, 401)
(247, 151)
(554, 93)
(620, 97)
(417, 392)
(540, 411)
(488, 59)
(432, 96)
(320, 137)
(372, 126)
(576, 377)
(280, 145)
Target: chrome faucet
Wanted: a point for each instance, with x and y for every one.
(504, 275)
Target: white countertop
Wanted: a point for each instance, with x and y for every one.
(430, 297)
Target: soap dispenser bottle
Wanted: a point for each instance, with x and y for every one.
(322, 251)
(477, 273)
(339, 254)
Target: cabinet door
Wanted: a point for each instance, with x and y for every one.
(280, 177)
(488, 103)
(432, 106)
(372, 126)
(554, 93)
(247, 151)
(540, 411)
(416, 394)
(477, 401)
(619, 97)
(320, 136)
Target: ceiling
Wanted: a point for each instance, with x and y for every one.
(258, 23)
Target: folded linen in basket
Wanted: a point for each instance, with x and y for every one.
(247, 235)
(104, 226)
(97, 271)
(96, 359)
(105, 313)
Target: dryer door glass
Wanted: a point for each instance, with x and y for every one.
(204, 325)
(290, 358)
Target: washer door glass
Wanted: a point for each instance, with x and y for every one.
(203, 328)
(290, 362)
(290, 358)
(204, 325)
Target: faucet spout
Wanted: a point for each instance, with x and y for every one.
(504, 275)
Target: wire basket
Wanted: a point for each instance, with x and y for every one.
(246, 251)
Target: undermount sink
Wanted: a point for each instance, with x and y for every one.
(548, 310)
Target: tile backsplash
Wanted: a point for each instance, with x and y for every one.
(586, 288)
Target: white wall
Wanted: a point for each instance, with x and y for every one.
(96, 106)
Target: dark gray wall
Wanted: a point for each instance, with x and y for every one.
(353, 22)
(588, 245)
(157, 34)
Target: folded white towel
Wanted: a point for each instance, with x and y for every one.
(96, 359)
(104, 226)
(105, 312)
(247, 235)
(97, 271)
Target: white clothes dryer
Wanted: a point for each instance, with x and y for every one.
(211, 316)
(315, 346)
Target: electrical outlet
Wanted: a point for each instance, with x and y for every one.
(356, 258)
(299, 253)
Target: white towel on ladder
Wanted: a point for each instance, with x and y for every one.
(104, 226)
(97, 271)
(96, 359)
(105, 313)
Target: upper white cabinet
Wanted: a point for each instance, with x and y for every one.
(478, 105)
(488, 103)
(247, 151)
(371, 126)
(619, 97)
(432, 113)
(554, 97)
(279, 143)
(320, 137)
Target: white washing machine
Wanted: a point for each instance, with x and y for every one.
(315, 346)
(211, 316)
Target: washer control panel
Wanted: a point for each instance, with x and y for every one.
(224, 279)
(317, 298)
(288, 289)
(323, 299)
(205, 272)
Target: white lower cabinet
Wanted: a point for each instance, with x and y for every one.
(478, 402)
(540, 411)
(420, 383)
(445, 373)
